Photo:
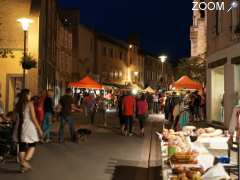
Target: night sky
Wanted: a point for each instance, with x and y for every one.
(163, 25)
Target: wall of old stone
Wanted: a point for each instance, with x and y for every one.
(11, 39)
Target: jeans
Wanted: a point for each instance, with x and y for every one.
(141, 119)
(47, 126)
(91, 116)
(71, 124)
(128, 123)
(155, 107)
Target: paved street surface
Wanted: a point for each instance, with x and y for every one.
(105, 156)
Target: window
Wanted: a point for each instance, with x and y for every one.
(235, 18)
(120, 55)
(120, 74)
(91, 45)
(218, 25)
(104, 51)
(116, 74)
(202, 12)
(217, 94)
(111, 52)
(111, 75)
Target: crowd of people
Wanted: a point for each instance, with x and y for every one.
(193, 103)
(33, 117)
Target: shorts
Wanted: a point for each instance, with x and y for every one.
(23, 147)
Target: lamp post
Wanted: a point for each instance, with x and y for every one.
(136, 76)
(25, 23)
(163, 59)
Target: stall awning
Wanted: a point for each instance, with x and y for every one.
(149, 90)
(87, 82)
(115, 85)
(186, 83)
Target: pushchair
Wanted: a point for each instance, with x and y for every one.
(8, 149)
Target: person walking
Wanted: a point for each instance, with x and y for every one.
(67, 107)
(196, 105)
(48, 111)
(128, 107)
(102, 109)
(156, 103)
(90, 107)
(120, 113)
(150, 102)
(142, 109)
(29, 130)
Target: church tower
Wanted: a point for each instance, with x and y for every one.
(198, 33)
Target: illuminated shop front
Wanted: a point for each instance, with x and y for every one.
(223, 84)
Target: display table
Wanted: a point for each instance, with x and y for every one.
(205, 159)
(218, 143)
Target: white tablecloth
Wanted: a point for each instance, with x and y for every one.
(220, 143)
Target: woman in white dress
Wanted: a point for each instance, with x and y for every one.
(29, 130)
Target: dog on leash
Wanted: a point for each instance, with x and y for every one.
(83, 134)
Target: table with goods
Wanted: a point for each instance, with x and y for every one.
(186, 154)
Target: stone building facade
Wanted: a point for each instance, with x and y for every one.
(49, 41)
(73, 19)
(223, 59)
(158, 75)
(108, 59)
(11, 47)
(86, 53)
(64, 56)
(198, 33)
(152, 70)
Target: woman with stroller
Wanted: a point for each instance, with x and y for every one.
(142, 109)
(29, 129)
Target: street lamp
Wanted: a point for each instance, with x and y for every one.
(163, 59)
(25, 23)
(136, 73)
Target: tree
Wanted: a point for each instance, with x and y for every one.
(194, 67)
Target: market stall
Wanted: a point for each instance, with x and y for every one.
(186, 155)
(87, 82)
(149, 90)
(186, 83)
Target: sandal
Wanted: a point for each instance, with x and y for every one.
(25, 166)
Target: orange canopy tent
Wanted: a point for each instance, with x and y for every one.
(87, 82)
(186, 83)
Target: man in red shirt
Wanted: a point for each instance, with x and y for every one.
(128, 110)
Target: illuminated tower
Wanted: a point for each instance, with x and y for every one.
(198, 33)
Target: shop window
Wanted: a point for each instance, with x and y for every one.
(237, 84)
(217, 95)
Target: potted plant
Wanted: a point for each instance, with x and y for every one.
(28, 62)
(237, 30)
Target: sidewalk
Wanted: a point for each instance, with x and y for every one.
(105, 156)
